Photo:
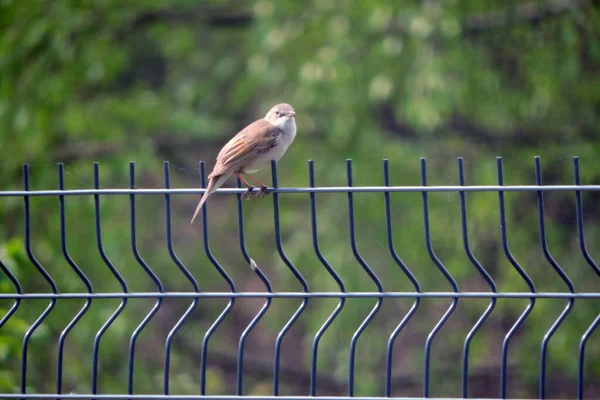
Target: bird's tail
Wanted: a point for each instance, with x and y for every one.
(213, 185)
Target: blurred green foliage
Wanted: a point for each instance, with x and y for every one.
(148, 81)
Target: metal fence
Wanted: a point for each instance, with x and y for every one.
(18, 296)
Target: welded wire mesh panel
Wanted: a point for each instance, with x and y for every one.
(156, 312)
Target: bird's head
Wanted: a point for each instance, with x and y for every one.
(281, 115)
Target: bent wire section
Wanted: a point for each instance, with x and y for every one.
(264, 308)
(78, 271)
(296, 273)
(18, 290)
(211, 330)
(595, 268)
(369, 272)
(185, 272)
(149, 272)
(444, 271)
(42, 272)
(482, 271)
(520, 271)
(409, 275)
(332, 272)
(561, 273)
(117, 275)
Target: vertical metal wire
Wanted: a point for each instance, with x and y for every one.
(334, 275)
(225, 276)
(185, 272)
(559, 271)
(409, 275)
(581, 355)
(313, 374)
(46, 276)
(117, 275)
(520, 271)
(482, 271)
(297, 274)
(18, 289)
(150, 273)
(78, 271)
(446, 274)
(595, 268)
(265, 307)
(369, 272)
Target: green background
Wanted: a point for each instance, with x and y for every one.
(148, 81)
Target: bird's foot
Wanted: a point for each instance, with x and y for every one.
(247, 195)
(262, 192)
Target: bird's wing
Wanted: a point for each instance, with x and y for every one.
(245, 147)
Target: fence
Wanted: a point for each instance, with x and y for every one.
(18, 296)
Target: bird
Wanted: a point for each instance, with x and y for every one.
(252, 149)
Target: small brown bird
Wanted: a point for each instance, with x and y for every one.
(252, 149)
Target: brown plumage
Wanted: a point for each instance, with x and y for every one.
(252, 149)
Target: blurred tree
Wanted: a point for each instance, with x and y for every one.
(116, 81)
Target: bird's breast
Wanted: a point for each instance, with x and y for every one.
(283, 142)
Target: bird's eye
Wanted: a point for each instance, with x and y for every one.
(277, 113)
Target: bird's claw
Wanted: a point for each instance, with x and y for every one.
(262, 192)
(247, 195)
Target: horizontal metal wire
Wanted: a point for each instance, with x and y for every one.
(323, 189)
(200, 397)
(157, 291)
(293, 295)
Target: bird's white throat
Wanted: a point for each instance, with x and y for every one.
(287, 125)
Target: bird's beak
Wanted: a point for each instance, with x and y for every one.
(292, 113)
